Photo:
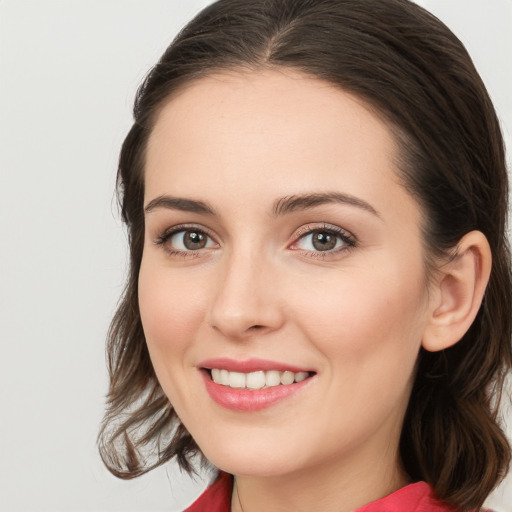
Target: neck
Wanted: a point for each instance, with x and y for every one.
(330, 487)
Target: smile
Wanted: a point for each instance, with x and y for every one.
(254, 384)
(256, 380)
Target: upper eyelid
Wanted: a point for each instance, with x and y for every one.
(186, 227)
(322, 226)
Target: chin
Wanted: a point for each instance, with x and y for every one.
(249, 458)
(257, 466)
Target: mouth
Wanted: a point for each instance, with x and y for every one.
(256, 380)
(254, 384)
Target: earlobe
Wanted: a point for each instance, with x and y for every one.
(458, 292)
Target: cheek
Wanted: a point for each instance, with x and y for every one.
(370, 319)
(369, 331)
(171, 308)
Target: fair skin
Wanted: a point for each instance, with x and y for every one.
(333, 284)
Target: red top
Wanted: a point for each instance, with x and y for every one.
(416, 497)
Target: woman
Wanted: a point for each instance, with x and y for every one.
(319, 295)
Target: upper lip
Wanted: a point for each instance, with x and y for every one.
(249, 365)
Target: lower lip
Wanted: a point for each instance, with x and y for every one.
(248, 399)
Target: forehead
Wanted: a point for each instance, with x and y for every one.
(301, 109)
(268, 133)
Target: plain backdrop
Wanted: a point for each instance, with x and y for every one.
(68, 73)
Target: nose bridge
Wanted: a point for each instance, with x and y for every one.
(246, 298)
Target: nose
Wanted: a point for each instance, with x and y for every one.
(246, 300)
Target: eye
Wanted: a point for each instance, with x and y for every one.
(181, 240)
(323, 239)
(190, 240)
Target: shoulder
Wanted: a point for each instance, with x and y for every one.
(416, 497)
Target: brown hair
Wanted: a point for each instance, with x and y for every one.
(417, 75)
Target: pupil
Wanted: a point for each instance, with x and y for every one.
(194, 240)
(324, 241)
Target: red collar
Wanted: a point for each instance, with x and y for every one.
(217, 498)
(417, 497)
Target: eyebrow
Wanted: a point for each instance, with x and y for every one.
(294, 203)
(282, 206)
(179, 203)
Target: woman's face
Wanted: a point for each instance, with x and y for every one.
(278, 239)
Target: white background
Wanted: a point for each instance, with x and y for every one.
(68, 73)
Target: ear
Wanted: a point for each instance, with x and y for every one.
(457, 293)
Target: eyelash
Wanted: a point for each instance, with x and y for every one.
(162, 240)
(348, 240)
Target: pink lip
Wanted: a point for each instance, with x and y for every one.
(249, 365)
(247, 399)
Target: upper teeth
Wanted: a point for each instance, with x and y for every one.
(256, 380)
